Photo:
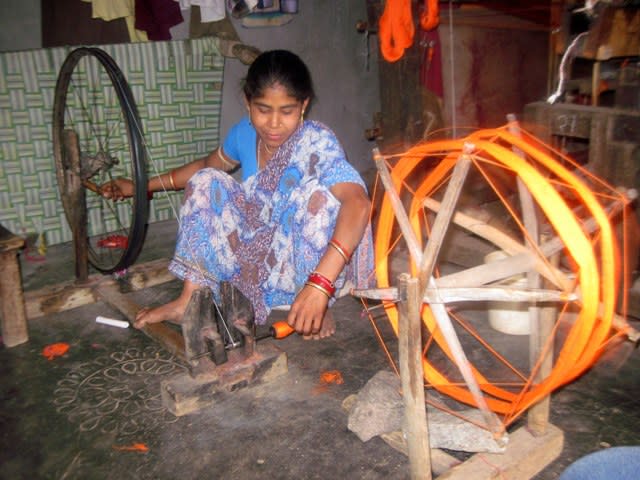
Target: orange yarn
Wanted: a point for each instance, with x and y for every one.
(430, 17)
(594, 258)
(396, 29)
(55, 350)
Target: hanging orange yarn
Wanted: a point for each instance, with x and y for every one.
(396, 29)
(430, 17)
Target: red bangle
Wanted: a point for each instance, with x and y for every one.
(338, 246)
(316, 279)
(340, 250)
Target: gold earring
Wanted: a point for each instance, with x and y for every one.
(301, 117)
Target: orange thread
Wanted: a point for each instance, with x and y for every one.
(395, 29)
(543, 171)
(332, 376)
(55, 350)
(135, 447)
(430, 17)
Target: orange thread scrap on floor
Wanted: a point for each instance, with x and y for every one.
(135, 447)
(331, 377)
(55, 350)
(327, 378)
(594, 259)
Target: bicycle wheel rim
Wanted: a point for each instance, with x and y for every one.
(94, 100)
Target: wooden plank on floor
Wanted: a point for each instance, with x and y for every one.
(440, 460)
(525, 456)
(169, 338)
(67, 295)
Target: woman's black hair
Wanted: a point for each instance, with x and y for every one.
(278, 67)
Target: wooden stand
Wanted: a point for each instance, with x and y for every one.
(216, 371)
(529, 449)
(14, 317)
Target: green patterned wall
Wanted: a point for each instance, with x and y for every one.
(177, 86)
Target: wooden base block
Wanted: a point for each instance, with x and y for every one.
(525, 457)
(441, 461)
(185, 394)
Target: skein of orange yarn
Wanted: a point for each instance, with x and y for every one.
(430, 17)
(396, 29)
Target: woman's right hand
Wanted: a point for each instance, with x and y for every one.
(117, 189)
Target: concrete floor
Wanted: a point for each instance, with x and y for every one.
(79, 415)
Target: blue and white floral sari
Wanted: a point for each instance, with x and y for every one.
(266, 234)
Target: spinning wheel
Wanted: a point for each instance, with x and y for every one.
(97, 137)
(549, 209)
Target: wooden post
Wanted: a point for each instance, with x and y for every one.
(538, 414)
(411, 374)
(12, 315)
(541, 318)
(77, 197)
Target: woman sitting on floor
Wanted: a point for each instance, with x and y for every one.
(285, 234)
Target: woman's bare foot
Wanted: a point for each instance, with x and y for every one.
(171, 312)
(327, 328)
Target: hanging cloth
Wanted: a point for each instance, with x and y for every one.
(210, 10)
(111, 9)
(431, 66)
(156, 17)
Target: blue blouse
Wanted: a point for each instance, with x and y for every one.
(240, 145)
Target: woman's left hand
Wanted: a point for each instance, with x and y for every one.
(308, 310)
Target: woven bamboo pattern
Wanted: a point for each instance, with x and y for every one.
(177, 86)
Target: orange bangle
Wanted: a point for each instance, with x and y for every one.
(171, 181)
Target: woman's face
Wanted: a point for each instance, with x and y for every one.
(275, 115)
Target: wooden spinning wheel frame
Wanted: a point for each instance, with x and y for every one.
(557, 234)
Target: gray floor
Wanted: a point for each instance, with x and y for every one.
(77, 416)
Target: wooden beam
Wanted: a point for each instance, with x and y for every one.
(411, 374)
(164, 335)
(471, 294)
(398, 208)
(525, 456)
(541, 343)
(443, 218)
(67, 295)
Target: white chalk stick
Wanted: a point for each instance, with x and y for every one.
(113, 322)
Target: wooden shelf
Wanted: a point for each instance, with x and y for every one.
(615, 32)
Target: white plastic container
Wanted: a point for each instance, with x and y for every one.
(509, 317)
